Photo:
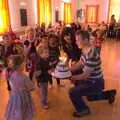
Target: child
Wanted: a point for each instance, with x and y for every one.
(43, 31)
(26, 47)
(89, 29)
(26, 51)
(95, 40)
(9, 50)
(54, 54)
(20, 105)
(31, 59)
(44, 41)
(43, 74)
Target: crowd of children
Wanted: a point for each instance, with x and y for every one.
(39, 52)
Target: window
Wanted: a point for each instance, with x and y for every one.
(67, 13)
(4, 16)
(44, 11)
(91, 13)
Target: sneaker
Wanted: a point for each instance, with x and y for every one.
(111, 96)
(81, 113)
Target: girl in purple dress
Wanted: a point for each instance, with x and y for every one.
(20, 105)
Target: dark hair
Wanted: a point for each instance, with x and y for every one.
(113, 15)
(94, 34)
(97, 30)
(84, 34)
(26, 43)
(33, 48)
(52, 36)
(67, 31)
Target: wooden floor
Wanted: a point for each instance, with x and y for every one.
(60, 105)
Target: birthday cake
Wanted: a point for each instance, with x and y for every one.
(62, 71)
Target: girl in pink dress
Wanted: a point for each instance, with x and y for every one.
(20, 105)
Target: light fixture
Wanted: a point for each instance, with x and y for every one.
(23, 3)
(67, 1)
(56, 8)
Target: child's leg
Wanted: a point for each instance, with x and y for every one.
(17, 116)
(44, 93)
(51, 81)
(8, 85)
(59, 84)
(58, 81)
(31, 74)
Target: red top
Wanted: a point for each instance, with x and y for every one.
(12, 35)
(98, 42)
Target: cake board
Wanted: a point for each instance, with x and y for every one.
(62, 78)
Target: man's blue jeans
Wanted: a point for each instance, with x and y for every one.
(86, 89)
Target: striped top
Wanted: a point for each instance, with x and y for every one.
(92, 60)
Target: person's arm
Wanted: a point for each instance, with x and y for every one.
(84, 76)
(52, 63)
(89, 66)
(38, 70)
(29, 85)
(76, 67)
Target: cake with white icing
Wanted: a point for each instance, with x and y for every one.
(62, 70)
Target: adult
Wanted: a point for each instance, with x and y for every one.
(43, 30)
(112, 26)
(113, 20)
(37, 31)
(91, 82)
(69, 44)
(58, 32)
(77, 26)
(11, 34)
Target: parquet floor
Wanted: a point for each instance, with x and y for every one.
(60, 105)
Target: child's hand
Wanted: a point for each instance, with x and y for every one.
(71, 63)
(73, 81)
(52, 63)
(50, 71)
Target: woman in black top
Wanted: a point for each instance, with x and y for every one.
(69, 45)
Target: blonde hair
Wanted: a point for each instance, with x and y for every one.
(28, 29)
(42, 48)
(16, 61)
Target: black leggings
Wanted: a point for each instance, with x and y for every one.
(8, 86)
(57, 79)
